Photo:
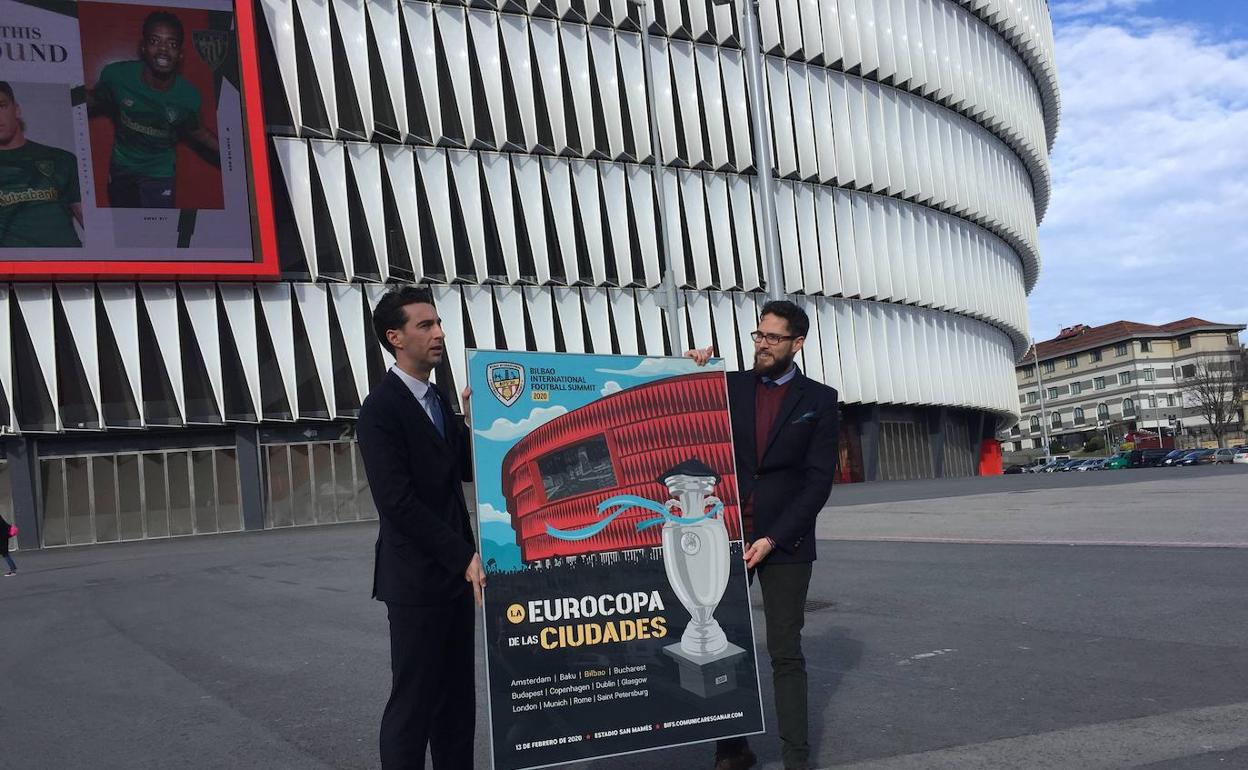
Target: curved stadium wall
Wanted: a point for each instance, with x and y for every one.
(501, 153)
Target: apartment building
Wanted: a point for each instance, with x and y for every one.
(1115, 379)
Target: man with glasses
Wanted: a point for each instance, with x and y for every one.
(784, 429)
(152, 108)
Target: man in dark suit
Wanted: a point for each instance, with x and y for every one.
(784, 430)
(427, 569)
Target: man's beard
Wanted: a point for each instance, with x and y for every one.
(777, 367)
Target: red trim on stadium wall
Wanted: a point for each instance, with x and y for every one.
(648, 429)
(261, 197)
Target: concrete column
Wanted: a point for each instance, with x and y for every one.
(250, 476)
(870, 440)
(936, 438)
(23, 458)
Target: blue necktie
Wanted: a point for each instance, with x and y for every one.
(435, 410)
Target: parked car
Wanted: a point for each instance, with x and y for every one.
(1198, 457)
(1241, 456)
(1091, 464)
(1117, 461)
(1172, 459)
(1010, 470)
(1146, 458)
(1223, 456)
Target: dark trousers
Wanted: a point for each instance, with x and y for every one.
(433, 689)
(784, 610)
(131, 191)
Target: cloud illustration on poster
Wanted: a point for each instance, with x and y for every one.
(505, 430)
(655, 367)
(611, 386)
(487, 512)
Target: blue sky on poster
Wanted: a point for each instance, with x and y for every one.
(1150, 168)
(497, 428)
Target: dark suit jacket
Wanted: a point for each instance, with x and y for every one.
(425, 541)
(792, 483)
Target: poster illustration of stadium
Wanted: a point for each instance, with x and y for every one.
(617, 613)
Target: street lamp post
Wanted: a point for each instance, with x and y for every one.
(1044, 417)
(763, 162)
(667, 285)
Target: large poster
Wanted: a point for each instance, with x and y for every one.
(617, 614)
(124, 139)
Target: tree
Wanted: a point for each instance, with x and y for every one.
(1094, 444)
(1214, 387)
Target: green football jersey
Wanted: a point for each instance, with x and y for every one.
(37, 185)
(148, 122)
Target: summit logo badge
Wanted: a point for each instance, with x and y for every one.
(506, 381)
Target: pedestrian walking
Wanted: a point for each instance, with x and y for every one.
(7, 531)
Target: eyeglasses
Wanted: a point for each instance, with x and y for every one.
(772, 339)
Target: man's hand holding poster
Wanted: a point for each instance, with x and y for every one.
(617, 617)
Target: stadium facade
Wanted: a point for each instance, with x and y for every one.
(502, 152)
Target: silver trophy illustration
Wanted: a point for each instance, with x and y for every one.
(697, 559)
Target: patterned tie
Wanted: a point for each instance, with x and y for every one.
(433, 401)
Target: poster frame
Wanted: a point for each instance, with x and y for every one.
(482, 610)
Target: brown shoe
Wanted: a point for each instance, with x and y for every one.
(743, 761)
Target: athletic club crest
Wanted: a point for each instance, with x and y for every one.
(46, 167)
(506, 381)
(212, 45)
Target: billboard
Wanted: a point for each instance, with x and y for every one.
(617, 615)
(132, 141)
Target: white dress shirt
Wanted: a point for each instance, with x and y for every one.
(419, 389)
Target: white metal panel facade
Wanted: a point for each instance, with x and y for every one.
(511, 168)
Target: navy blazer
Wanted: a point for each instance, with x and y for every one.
(425, 541)
(792, 483)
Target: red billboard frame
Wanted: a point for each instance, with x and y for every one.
(261, 188)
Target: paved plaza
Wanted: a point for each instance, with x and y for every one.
(952, 626)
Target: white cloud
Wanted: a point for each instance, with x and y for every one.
(1068, 8)
(651, 367)
(610, 387)
(505, 430)
(1150, 177)
(487, 512)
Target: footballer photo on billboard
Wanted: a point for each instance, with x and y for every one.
(128, 145)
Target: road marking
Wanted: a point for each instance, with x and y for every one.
(1125, 743)
(994, 541)
(925, 655)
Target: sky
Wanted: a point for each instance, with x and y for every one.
(1149, 213)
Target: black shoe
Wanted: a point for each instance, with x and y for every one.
(742, 761)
